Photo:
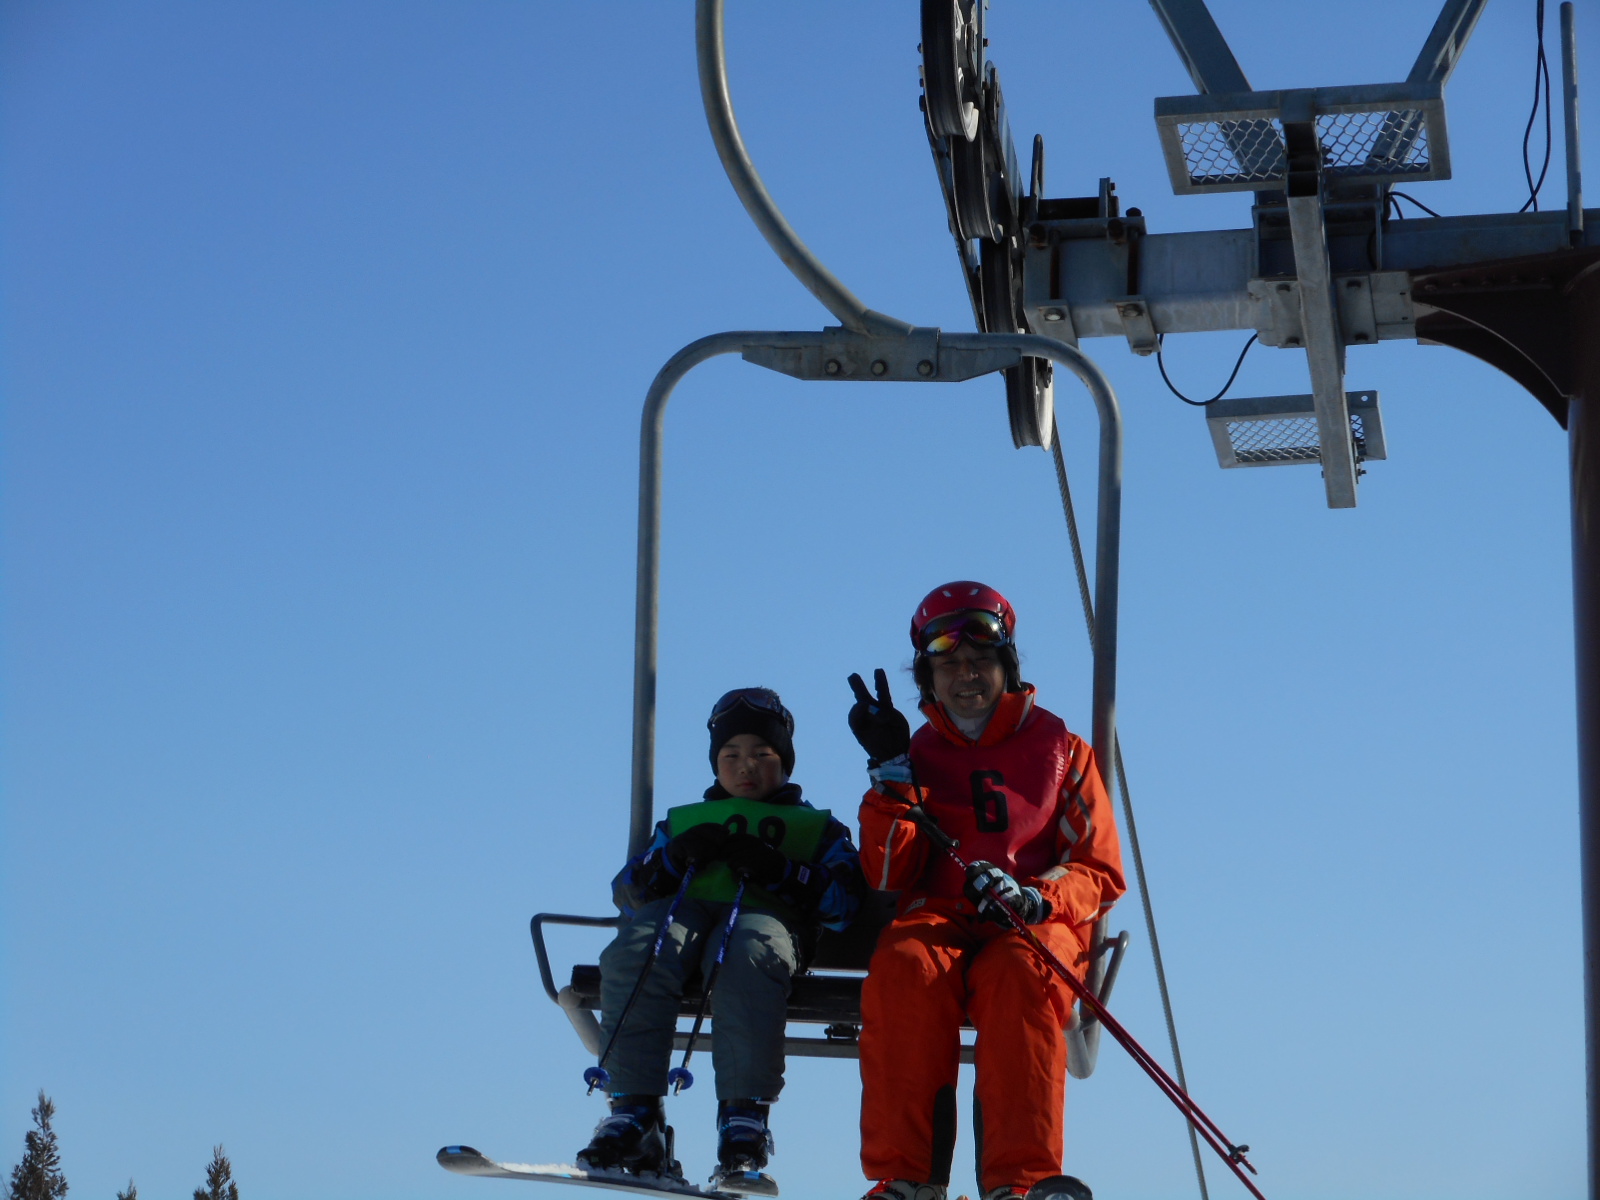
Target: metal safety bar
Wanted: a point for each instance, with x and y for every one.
(925, 356)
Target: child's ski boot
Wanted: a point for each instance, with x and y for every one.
(743, 1145)
(634, 1140)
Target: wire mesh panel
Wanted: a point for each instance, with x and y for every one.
(1273, 431)
(1261, 441)
(1393, 144)
(1235, 142)
(1236, 153)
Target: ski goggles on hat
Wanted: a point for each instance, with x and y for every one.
(975, 625)
(761, 699)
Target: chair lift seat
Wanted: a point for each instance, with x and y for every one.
(827, 993)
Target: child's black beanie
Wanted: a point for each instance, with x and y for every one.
(769, 727)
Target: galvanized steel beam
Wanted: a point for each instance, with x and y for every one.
(1200, 44)
(1446, 41)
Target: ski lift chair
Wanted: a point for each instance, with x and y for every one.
(866, 346)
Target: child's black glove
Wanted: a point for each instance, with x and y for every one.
(984, 879)
(763, 865)
(699, 844)
(880, 727)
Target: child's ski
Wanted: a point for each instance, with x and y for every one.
(464, 1160)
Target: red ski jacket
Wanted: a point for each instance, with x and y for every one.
(1026, 796)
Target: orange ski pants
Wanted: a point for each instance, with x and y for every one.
(933, 966)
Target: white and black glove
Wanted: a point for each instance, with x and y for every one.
(985, 880)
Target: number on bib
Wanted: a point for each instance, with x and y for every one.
(988, 804)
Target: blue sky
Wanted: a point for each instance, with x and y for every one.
(325, 332)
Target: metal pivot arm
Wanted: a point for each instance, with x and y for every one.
(925, 356)
(1319, 316)
(711, 51)
(1200, 44)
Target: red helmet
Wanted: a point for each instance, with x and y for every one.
(962, 596)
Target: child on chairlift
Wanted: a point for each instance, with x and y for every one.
(799, 870)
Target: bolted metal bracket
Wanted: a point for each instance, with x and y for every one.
(1136, 324)
(918, 357)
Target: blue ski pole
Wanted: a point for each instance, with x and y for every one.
(680, 1076)
(597, 1076)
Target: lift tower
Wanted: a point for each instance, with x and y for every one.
(1322, 268)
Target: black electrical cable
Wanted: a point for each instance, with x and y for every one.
(1395, 198)
(1541, 95)
(1162, 367)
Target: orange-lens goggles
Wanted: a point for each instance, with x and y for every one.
(943, 634)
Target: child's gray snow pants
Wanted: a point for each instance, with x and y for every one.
(748, 1006)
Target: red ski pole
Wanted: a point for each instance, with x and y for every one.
(1233, 1155)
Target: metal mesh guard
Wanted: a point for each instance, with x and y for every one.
(1390, 143)
(1382, 143)
(1267, 440)
(1224, 152)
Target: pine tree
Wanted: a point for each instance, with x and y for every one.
(131, 1194)
(38, 1176)
(219, 1179)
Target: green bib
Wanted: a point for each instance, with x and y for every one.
(794, 829)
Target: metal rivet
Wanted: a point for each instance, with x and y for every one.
(1052, 314)
(879, 367)
(924, 367)
(831, 367)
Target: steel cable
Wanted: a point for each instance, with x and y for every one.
(1127, 810)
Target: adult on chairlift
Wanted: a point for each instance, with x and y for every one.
(1023, 797)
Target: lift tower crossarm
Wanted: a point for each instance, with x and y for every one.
(711, 52)
(1202, 47)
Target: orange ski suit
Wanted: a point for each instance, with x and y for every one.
(1028, 797)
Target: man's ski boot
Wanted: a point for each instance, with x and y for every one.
(634, 1140)
(744, 1144)
(905, 1189)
